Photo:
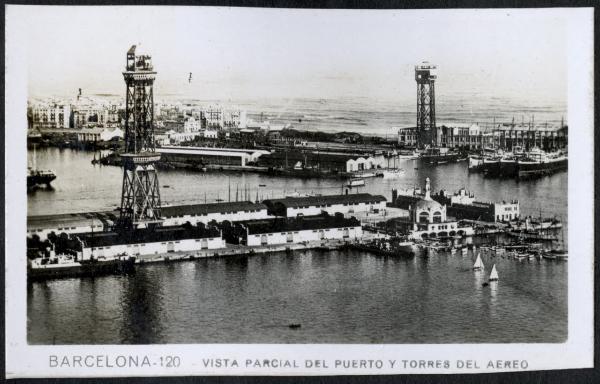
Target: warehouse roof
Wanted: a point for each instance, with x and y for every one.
(298, 224)
(201, 209)
(68, 220)
(295, 202)
(102, 239)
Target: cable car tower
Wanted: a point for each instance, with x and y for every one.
(140, 197)
(425, 75)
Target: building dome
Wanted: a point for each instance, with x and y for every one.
(430, 205)
(427, 210)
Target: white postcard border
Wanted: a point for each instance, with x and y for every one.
(23, 360)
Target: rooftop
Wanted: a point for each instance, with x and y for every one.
(200, 209)
(101, 239)
(298, 224)
(295, 202)
(70, 219)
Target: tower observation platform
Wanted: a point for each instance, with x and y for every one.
(140, 197)
(425, 76)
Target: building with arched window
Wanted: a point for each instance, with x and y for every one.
(429, 218)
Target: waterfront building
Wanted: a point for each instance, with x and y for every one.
(210, 156)
(502, 136)
(51, 115)
(362, 163)
(325, 161)
(93, 135)
(218, 212)
(300, 230)
(158, 241)
(330, 204)
(462, 205)
(428, 218)
(74, 223)
(69, 223)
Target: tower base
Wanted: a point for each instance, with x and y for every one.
(140, 198)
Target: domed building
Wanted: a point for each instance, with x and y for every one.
(426, 210)
(429, 218)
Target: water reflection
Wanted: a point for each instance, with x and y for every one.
(142, 308)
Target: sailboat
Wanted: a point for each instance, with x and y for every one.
(478, 266)
(494, 274)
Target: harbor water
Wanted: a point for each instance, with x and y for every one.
(337, 297)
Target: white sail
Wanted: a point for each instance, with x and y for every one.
(494, 274)
(478, 263)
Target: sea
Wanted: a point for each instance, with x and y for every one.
(336, 297)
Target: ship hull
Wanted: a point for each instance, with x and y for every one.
(533, 169)
(440, 159)
(35, 180)
(491, 168)
(475, 164)
(83, 269)
(508, 168)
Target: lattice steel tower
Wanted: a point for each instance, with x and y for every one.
(140, 198)
(425, 75)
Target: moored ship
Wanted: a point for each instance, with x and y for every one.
(539, 163)
(519, 165)
(440, 156)
(63, 266)
(36, 178)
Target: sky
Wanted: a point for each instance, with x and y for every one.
(241, 53)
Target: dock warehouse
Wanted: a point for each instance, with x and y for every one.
(330, 161)
(147, 242)
(332, 204)
(205, 213)
(209, 155)
(71, 223)
(299, 230)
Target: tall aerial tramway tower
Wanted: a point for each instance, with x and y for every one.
(425, 76)
(140, 197)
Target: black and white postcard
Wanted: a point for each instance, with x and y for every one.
(254, 191)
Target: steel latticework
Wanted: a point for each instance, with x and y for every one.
(426, 128)
(140, 198)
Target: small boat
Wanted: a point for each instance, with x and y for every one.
(478, 266)
(494, 274)
(391, 173)
(364, 175)
(262, 185)
(166, 186)
(295, 326)
(355, 183)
